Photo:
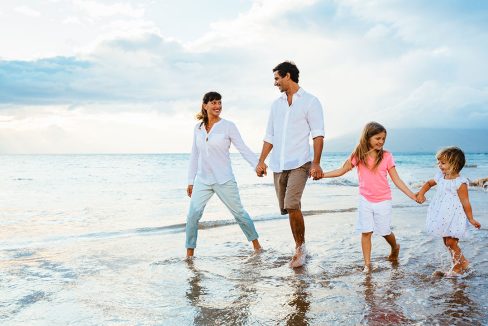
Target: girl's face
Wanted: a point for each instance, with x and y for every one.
(444, 166)
(377, 141)
(213, 108)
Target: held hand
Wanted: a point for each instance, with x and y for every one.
(261, 169)
(420, 198)
(189, 190)
(475, 223)
(316, 171)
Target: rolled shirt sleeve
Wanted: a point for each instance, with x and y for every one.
(316, 119)
(269, 129)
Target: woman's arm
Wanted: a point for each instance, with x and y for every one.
(400, 184)
(346, 167)
(464, 198)
(193, 166)
(236, 139)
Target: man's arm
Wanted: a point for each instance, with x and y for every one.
(261, 167)
(318, 146)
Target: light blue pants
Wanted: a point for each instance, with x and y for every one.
(229, 195)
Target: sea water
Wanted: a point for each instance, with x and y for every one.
(99, 239)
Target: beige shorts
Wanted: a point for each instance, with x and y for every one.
(289, 186)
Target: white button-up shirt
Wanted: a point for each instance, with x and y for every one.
(289, 129)
(210, 157)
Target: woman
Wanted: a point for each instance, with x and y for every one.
(210, 170)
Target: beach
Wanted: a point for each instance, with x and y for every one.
(99, 240)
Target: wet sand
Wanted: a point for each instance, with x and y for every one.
(145, 280)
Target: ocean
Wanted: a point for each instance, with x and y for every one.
(99, 240)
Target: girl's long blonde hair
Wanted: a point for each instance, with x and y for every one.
(362, 149)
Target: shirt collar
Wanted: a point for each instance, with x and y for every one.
(299, 93)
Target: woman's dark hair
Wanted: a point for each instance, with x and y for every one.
(287, 67)
(208, 97)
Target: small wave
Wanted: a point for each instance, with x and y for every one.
(341, 182)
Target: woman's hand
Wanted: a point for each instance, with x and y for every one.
(189, 190)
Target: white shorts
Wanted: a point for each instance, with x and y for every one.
(374, 217)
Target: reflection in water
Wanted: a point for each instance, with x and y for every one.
(233, 312)
(299, 302)
(459, 308)
(381, 308)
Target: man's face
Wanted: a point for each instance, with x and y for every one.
(281, 82)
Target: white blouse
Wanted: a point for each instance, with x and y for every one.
(289, 129)
(210, 157)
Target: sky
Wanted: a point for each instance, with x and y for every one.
(88, 76)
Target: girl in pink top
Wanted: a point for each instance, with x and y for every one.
(374, 213)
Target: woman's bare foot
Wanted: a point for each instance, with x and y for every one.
(256, 245)
(394, 253)
(189, 252)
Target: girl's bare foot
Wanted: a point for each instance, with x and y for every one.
(462, 267)
(367, 269)
(394, 253)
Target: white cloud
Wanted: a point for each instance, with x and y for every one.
(384, 61)
(24, 10)
(100, 10)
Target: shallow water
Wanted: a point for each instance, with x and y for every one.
(91, 240)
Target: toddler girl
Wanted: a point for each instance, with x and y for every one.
(450, 207)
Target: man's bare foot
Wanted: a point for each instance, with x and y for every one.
(299, 257)
(394, 253)
(190, 252)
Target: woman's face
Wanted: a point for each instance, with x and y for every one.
(213, 108)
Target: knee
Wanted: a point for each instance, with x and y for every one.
(367, 234)
(450, 242)
(194, 215)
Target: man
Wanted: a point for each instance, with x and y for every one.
(294, 116)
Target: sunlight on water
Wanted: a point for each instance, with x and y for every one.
(99, 239)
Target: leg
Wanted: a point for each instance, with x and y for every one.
(366, 246)
(460, 263)
(297, 225)
(229, 195)
(395, 248)
(199, 198)
(382, 212)
(295, 185)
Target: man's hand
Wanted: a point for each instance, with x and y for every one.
(261, 169)
(189, 190)
(316, 171)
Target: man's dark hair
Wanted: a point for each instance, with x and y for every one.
(287, 67)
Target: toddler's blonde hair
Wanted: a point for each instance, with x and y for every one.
(454, 156)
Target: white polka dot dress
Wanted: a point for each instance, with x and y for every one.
(446, 216)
